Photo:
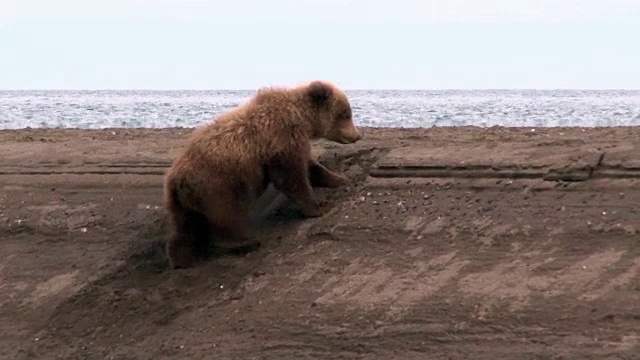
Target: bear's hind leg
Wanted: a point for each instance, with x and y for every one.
(188, 240)
(227, 225)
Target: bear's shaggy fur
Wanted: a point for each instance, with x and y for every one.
(228, 164)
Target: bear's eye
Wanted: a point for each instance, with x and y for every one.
(345, 115)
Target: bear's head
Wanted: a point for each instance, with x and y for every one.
(331, 113)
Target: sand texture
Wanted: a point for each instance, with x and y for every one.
(464, 243)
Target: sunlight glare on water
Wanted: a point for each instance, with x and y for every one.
(383, 108)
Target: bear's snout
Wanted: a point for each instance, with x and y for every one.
(351, 135)
(357, 136)
(345, 134)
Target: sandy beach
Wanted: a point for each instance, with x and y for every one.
(452, 243)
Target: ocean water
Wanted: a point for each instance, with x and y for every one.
(384, 108)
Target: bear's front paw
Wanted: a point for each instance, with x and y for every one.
(240, 247)
(332, 180)
(341, 180)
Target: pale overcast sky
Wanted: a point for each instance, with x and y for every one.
(244, 44)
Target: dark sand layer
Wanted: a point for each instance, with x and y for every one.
(454, 243)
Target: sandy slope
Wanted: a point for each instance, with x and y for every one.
(455, 243)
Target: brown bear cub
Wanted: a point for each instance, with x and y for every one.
(228, 164)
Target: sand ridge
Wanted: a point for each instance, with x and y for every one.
(457, 243)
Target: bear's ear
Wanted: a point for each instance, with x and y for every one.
(320, 93)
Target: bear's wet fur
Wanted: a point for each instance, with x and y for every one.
(228, 164)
